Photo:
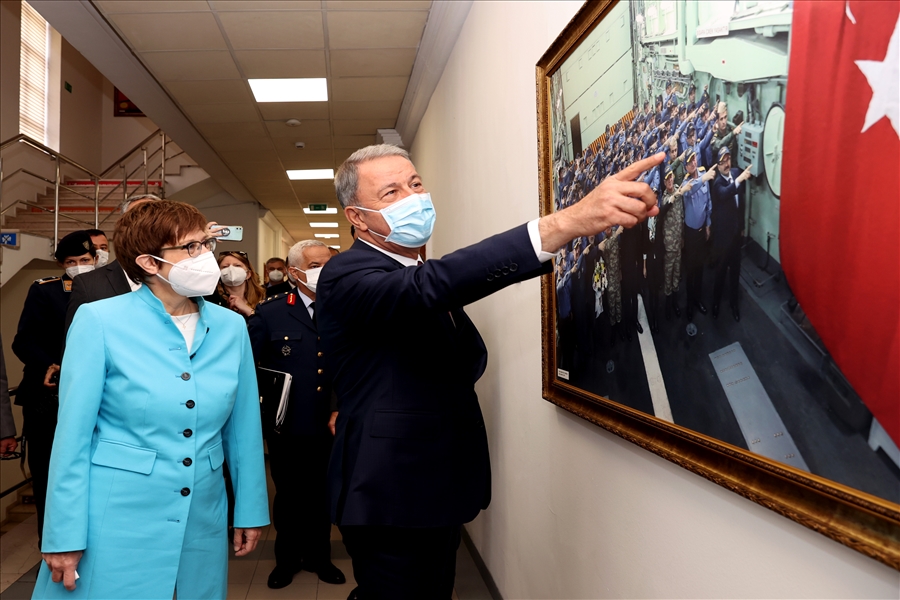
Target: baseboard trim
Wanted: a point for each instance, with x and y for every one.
(482, 568)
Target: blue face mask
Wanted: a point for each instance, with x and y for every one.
(411, 220)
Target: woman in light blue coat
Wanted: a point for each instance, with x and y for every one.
(158, 389)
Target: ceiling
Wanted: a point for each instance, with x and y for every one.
(202, 53)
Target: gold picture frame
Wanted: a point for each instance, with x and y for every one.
(859, 520)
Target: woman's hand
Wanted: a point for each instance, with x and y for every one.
(62, 566)
(238, 304)
(245, 540)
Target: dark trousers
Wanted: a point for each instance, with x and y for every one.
(301, 516)
(403, 563)
(728, 271)
(39, 427)
(694, 258)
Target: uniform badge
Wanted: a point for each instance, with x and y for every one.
(291, 300)
(67, 285)
(286, 350)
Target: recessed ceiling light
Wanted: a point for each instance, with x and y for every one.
(323, 224)
(311, 174)
(289, 90)
(327, 211)
(327, 235)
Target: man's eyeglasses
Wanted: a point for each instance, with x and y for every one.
(229, 252)
(195, 248)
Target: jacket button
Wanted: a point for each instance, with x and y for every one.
(319, 388)
(513, 267)
(505, 270)
(187, 433)
(187, 462)
(498, 273)
(490, 277)
(185, 376)
(286, 337)
(319, 354)
(320, 371)
(189, 404)
(185, 491)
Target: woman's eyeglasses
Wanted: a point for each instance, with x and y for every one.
(230, 252)
(195, 248)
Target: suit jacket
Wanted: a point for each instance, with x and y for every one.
(727, 219)
(39, 337)
(136, 468)
(7, 424)
(281, 288)
(105, 282)
(284, 338)
(410, 448)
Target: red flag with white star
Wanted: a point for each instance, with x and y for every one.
(840, 201)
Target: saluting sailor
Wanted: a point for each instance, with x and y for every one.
(38, 344)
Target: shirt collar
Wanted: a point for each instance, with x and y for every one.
(403, 260)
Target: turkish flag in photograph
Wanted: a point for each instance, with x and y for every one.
(840, 201)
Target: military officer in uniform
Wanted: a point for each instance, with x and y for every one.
(723, 135)
(284, 338)
(38, 344)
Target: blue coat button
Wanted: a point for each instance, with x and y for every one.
(185, 376)
(189, 404)
(187, 462)
(185, 491)
(187, 433)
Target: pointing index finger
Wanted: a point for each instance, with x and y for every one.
(631, 172)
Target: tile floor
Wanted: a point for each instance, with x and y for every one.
(19, 561)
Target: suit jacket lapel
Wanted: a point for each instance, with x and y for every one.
(301, 313)
(117, 278)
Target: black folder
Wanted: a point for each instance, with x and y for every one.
(274, 395)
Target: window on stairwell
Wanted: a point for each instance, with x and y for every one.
(33, 75)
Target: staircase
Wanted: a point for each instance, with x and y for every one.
(75, 211)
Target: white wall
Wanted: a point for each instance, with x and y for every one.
(579, 512)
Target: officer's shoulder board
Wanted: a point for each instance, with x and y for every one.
(270, 298)
(701, 169)
(47, 279)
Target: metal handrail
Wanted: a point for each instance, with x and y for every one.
(125, 156)
(31, 142)
(57, 183)
(45, 209)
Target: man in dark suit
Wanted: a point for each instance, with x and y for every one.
(284, 338)
(727, 228)
(276, 279)
(410, 462)
(38, 344)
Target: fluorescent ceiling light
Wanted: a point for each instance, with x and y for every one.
(335, 247)
(311, 174)
(328, 235)
(327, 211)
(323, 224)
(289, 90)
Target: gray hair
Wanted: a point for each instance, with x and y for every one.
(132, 199)
(295, 254)
(346, 181)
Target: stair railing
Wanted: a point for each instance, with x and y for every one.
(141, 149)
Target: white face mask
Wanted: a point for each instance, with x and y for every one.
(312, 278)
(78, 270)
(192, 277)
(233, 275)
(102, 258)
(276, 276)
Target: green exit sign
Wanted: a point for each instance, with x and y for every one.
(318, 207)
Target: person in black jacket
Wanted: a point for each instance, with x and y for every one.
(410, 461)
(727, 230)
(39, 345)
(284, 338)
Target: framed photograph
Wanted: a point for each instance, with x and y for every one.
(123, 107)
(749, 331)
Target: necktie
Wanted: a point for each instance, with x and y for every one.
(312, 309)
